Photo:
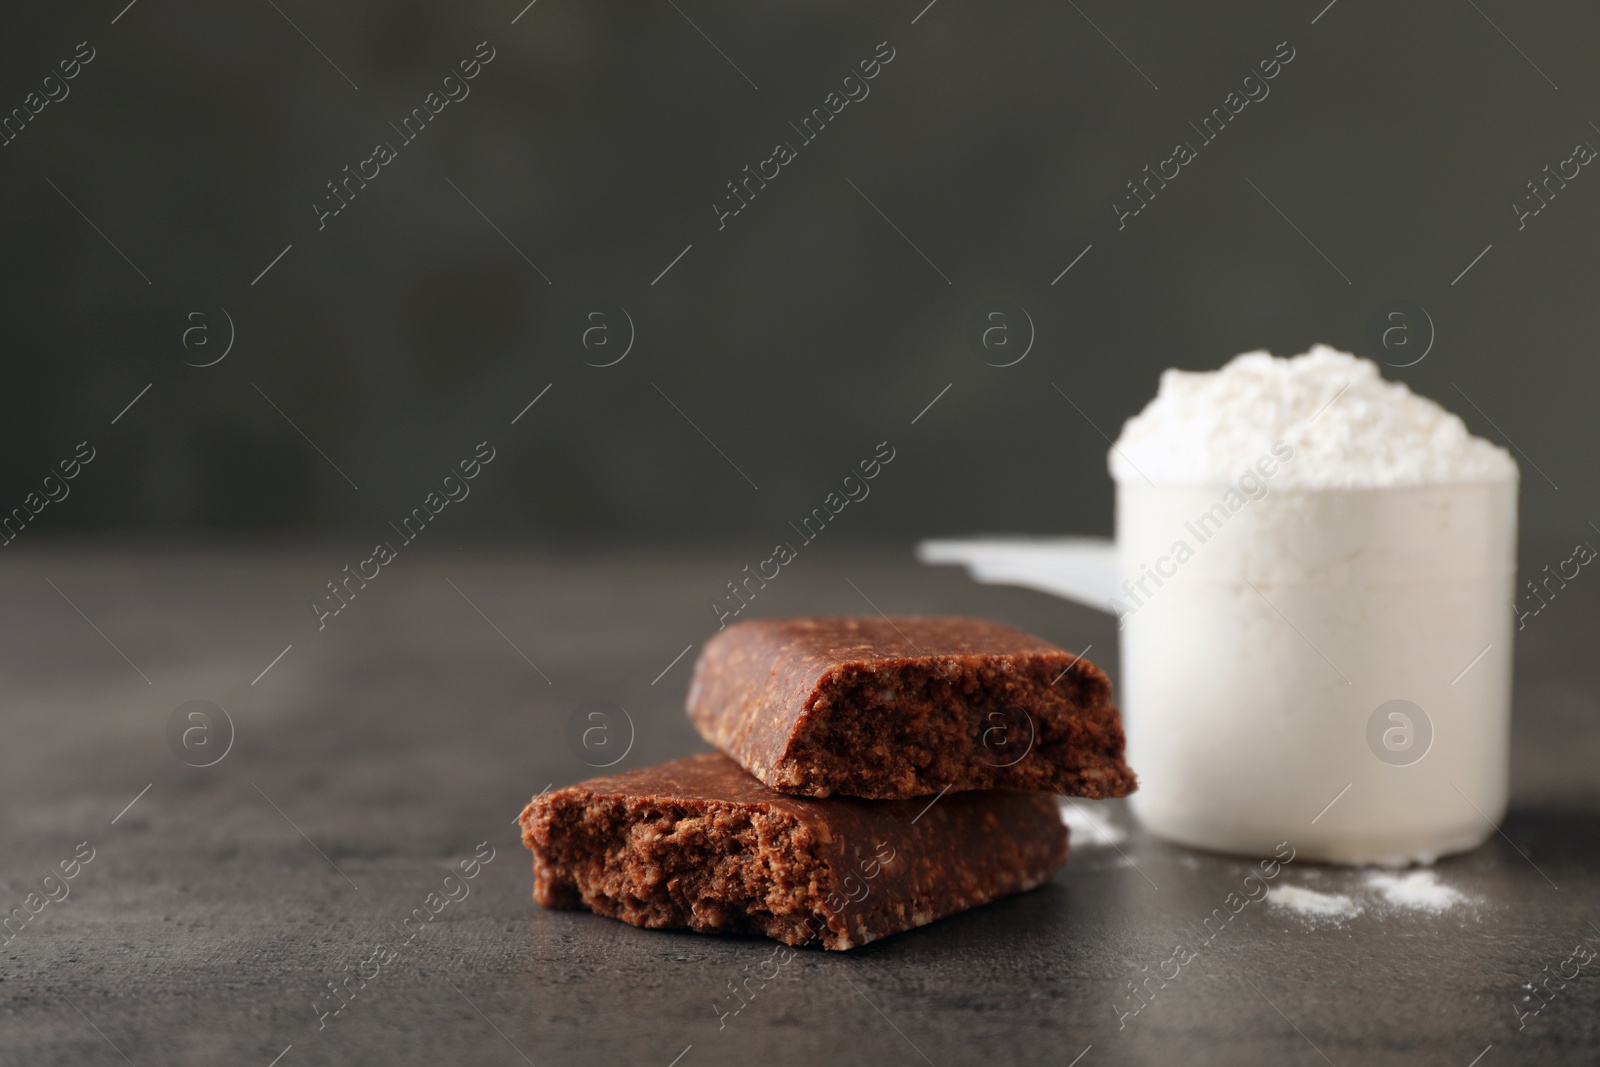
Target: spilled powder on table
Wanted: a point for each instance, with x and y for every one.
(1089, 828)
(1312, 904)
(1419, 891)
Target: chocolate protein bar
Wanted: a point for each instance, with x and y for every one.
(699, 843)
(911, 706)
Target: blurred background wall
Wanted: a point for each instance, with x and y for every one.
(584, 171)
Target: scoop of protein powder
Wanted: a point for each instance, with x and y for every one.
(1316, 567)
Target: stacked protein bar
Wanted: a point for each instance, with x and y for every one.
(875, 774)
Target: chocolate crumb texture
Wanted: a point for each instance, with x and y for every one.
(698, 843)
(890, 708)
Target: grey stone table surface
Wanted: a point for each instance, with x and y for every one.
(377, 754)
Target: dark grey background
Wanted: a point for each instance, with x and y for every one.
(808, 330)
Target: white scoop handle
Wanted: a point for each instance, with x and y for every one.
(1081, 569)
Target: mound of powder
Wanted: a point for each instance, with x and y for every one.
(1312, 904)
(1348, 427)
(1419, 891)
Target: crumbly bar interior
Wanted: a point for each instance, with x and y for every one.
(718, 868)
(913, 729)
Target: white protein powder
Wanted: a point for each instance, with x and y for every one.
(1306, 548)
(1312, 904)
(1419, 891)
(1348, 427)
